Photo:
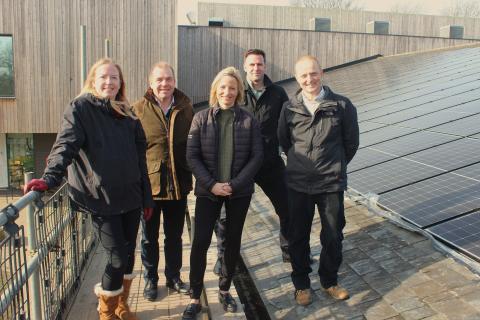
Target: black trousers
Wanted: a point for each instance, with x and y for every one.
(207, 212)
(173, 222)
(332, 217)
(271, 178)
(118, 235)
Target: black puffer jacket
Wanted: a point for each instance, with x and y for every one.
(202, 152)
(318, 147)
(105, 157)
(266, 111)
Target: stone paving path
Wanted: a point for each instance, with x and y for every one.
(391, 273)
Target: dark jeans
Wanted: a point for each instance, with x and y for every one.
(173, 222)
(118, 235)
(207, 212)
(271, 179)
(332, 217)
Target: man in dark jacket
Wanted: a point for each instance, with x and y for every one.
(264, 100)
(166, 114)
(318, 130)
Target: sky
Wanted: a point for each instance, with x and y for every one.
(425, 6)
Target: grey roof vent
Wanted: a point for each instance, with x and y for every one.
(453, 32)
(378, 27)
(320, 24)
(215, 22)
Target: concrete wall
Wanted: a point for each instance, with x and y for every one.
(203, 51)
(284, 17)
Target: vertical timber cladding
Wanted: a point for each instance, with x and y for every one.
(297, 18)
(46, 49)
(203, 51)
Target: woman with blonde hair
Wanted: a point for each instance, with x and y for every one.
(224, 151)
(102, 146)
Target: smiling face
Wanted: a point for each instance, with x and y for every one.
(227, 91)
(107, 81)
(162, 82)
(309, 76)
(254, 66)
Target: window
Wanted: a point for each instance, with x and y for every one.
(7, 88)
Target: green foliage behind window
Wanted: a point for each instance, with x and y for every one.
(7, 88)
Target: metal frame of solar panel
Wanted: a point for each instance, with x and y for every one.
(463, 127)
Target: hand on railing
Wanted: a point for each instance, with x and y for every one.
(147, 213)
(36, 185)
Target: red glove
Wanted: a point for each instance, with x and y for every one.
(147, 213)
(35, 185)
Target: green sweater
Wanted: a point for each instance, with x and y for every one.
(225, 144)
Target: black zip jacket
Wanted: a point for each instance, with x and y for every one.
(105, 157)
(202, 152)
(318, 147)
(266, 111)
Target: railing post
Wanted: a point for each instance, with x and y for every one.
(35, 302)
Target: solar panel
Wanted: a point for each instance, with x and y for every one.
(413, 142)
(383, 134)
(367, 157)
(462, 233)
(389, 175)
(433, 119)
(476, 136)
(450, 156)
(472, 171)
(367, 126)
(433, 200)
(463, 127)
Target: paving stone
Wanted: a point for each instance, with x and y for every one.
(380, 253)
(439, 296)
(410, 253)
(381, 310)
(353, 256)
(411, 277)
(407, 303)
(473, 298)
(364, 266)
(395, 265)
(448, 277)
(427, 288)
(455, 309)
(418, 313)
(357, 298)
(398, 293)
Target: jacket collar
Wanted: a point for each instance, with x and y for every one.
(180, 99)
(266, 82)
(298, 106)
(216, 108)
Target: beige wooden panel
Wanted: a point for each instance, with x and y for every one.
(203, 51)
(283, 17)
(47, 51)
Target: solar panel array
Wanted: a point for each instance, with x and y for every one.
(419, 118)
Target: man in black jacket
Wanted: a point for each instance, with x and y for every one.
(264, 100)
(318, 130)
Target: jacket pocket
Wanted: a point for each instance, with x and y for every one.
(154, 175)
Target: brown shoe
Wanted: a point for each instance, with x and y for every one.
(107, 302)
(303, 297)
(123, 310)
(338, 292)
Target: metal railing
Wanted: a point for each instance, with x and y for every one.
(42, 284)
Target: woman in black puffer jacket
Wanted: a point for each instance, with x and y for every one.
(224, 151)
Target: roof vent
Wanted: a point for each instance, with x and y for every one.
(215, 22)
(453, 32)
(378, 27)
(321, 24)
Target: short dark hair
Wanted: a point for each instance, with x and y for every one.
(259, 52)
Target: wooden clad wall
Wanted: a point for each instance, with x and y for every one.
(46, 47)
(203, 51)
(283, 17)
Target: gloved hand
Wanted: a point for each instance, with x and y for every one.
(147, 213)
(35, 185)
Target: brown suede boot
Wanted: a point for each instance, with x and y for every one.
(123, 310)
(107, 302)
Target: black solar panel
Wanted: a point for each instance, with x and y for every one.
(378, 135)
(450, 156)
(367, 157)
(433, 119)
(463, 127)
(368, 126)
(462, 233)
(476, 136)
(472, 171)
(413, 142)
(389, 175)
(433, 200)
